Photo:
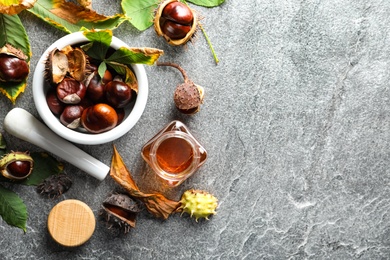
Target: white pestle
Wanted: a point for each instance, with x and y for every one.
(23, 125)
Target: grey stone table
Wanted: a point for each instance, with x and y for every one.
(296, 122)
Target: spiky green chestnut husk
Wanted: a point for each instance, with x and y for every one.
(198, 203)
(16, 165)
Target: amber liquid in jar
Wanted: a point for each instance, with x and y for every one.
(174, 162)
(174, 154)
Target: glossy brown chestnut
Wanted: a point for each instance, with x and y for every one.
(118, 94)
(175, 30)
(19, 168)
(99, 118)
(55, 105)
(95, 89)
(13, 69)
(71, 116)
(70, 91)
(178, 13)
(121, 114)
(16, 165)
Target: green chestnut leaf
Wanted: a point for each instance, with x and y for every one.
(207, 3)
(12, 209)
(121, 58)
(102, 69)
(101, 41)
(12, 32)
(140, 12)
(130, 56)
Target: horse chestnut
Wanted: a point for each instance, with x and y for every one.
(16, 165)
(70, 91)
(175, 30)
(118, 94)
(99, 118)
(175, 21)
(13, 69)
(95, 89)
(71, 116)
(178, 13)
(55, 105)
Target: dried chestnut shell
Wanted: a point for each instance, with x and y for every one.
(99, 118)
(118, 94)
(56, 66)
(13, 69)
(70, 91)
(55, 185)
(120, 210)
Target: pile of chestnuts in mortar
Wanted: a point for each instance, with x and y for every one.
(80, 97)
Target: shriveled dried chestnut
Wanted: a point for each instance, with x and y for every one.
(70, 91)
(187, 96)
(71, 116)
(118, 94)
(12, 68)
(99, 118)
(175, 21)
(16, 165)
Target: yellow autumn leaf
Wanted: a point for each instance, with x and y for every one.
(12, 7)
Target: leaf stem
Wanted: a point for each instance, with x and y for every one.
(209, 43)
(171, 64)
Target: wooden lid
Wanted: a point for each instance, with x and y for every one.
(71, 223)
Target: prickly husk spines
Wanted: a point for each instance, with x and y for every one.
(198, 204)
(55, 185)
(120, 211)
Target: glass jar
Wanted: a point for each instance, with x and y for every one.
(174, 154)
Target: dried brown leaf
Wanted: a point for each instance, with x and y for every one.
(74, 13)
(156, 203)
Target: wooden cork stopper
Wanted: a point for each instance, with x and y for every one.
(71, 223)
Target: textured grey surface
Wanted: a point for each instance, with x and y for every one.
(296, 124)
